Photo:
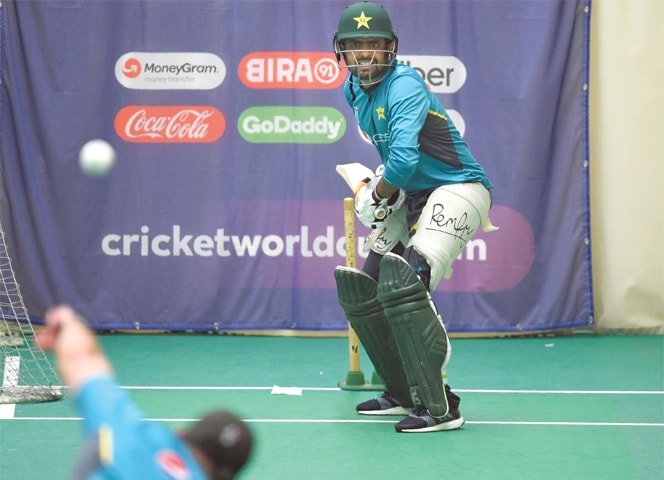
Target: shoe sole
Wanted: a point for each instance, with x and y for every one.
(388, 411)
(441, 427)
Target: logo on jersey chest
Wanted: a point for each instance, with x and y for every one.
(172, 465)
(376, 137)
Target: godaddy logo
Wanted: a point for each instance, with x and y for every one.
(291, 125)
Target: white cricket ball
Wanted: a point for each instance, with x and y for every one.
(96, 158)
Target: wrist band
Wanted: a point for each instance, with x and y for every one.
(375, 197)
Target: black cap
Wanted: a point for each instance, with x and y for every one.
(224, 439)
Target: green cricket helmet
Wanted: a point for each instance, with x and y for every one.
(365, 20)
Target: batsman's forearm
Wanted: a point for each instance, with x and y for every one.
(384, 189)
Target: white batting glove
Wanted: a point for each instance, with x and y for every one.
(371, 211)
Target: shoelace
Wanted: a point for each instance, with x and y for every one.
(389, 398)
(420, 411)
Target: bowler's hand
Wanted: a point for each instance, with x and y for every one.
(55, 319)
(77, 351)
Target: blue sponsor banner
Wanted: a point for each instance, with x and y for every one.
(224, 210)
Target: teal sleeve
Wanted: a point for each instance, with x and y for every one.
(408, 107)
(101, 401)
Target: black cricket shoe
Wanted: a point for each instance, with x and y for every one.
(419, 421)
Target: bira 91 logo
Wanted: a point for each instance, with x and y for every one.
(293, 70)
(169, 124)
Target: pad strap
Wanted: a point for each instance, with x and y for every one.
(357, 297)
(418, 331)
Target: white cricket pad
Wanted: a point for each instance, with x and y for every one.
(451, 216)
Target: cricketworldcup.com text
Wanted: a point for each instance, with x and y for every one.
(222, 244)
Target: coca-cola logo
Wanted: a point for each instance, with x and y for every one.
(169, 124)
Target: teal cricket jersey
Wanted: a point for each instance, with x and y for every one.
(120, 444)
(418, 144)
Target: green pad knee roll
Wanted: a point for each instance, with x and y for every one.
(357, 297)
(419, 334)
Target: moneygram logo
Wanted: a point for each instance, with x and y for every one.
(169, 124)
(292, 70)
(443, 74)
(170, 71)
(131, 68)
(291, 125)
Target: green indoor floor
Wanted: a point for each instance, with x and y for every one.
(581, 407)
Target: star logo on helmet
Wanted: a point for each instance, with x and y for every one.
(381, 113)
(363, 21)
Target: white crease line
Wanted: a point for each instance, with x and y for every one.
(319, 421)
(570, 392)
(336, 389)
(10, 379)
